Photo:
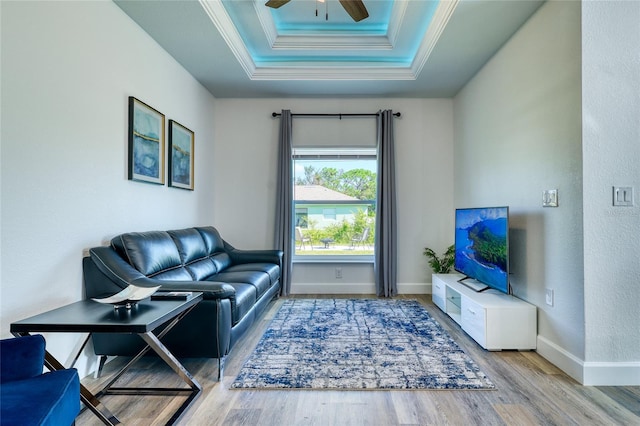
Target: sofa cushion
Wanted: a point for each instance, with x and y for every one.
(221, 261)
(189, 243)
(271, 269)
(244, 300)
(193, 252)
(214, 246)
(212, 239)
(259, 280)
(152, 253)
(201, 269)
(51, 399)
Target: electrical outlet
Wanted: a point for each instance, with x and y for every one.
(549, 297)
(338, 273)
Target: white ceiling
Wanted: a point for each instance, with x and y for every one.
(406, 48)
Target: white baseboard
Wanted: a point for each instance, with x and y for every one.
(612, 373)
(564, 360)
(414, 288)
(355, 288)
(333, 288)
(590, 373)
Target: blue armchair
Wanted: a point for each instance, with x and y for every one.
(29, 397)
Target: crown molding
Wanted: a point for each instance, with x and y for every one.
(266, 21)
(333, 69)
(331, 42)
(439, 21)
(337, 40)
(302, 72)
(395, 21)
(220, 18)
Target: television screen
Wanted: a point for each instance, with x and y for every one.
(482, 245)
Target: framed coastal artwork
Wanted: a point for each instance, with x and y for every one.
(181, 141)
(146, 143)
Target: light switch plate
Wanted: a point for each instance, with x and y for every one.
(550, 198)
(623, 196)
(548, 297)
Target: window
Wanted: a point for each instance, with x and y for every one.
(302, 217)
(329, 213)
(335, 203)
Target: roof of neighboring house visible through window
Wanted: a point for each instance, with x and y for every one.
(319, 193)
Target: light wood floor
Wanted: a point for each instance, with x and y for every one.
(530, 391)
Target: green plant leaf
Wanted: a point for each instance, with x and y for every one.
(440, 264)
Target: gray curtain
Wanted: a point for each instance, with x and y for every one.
(284, 201)
(385, 243)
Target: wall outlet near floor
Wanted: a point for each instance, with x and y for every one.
(548, 297)
(338, 273)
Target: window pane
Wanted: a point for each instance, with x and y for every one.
(335, 200)
(329, 213)
(302, 217)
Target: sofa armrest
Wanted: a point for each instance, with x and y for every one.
(253, 256)
(21, 358)
(210, 289)
(106, 273)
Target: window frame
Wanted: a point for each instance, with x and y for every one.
(338, 154)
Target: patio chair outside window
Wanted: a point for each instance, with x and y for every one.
(361, 239)
(302, 239)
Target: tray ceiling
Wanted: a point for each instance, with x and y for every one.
(414, 48)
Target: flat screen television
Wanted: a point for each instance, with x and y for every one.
(482, 247)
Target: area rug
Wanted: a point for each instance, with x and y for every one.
(357, 344)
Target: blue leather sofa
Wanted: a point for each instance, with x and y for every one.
(29, 397)
(237, 286)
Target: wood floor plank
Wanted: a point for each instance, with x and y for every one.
(530, 391)
(516, 414)
(626, 396)
(416, 408)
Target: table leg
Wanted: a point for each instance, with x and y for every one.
(153, 342)
(144, 350)
(171, 361)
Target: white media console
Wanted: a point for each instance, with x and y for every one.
(495, 320)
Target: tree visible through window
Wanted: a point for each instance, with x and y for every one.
(335, 202)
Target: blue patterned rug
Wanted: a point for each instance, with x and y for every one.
(357, 344)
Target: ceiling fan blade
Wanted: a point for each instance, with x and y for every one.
(276, 3)
(355, 9)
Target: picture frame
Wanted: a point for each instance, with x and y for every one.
(146, 143)
(181, 156)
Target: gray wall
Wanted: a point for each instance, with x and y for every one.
(245, 164)
(517, 133)
(611, 151)
(67, 71)
(538, 116)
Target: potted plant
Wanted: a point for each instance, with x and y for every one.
(440, 264)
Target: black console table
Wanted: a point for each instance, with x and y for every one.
(143, 318)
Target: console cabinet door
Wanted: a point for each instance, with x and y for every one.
(438, 293)
(474, 321)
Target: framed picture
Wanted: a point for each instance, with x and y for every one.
(181, 142)
(146, 143)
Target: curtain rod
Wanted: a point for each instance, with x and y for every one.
(276, 114)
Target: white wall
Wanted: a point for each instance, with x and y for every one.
(517, 133)
(67, 71)
(611, 150)
(245, 198)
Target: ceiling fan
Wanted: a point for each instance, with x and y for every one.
(355, 8)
